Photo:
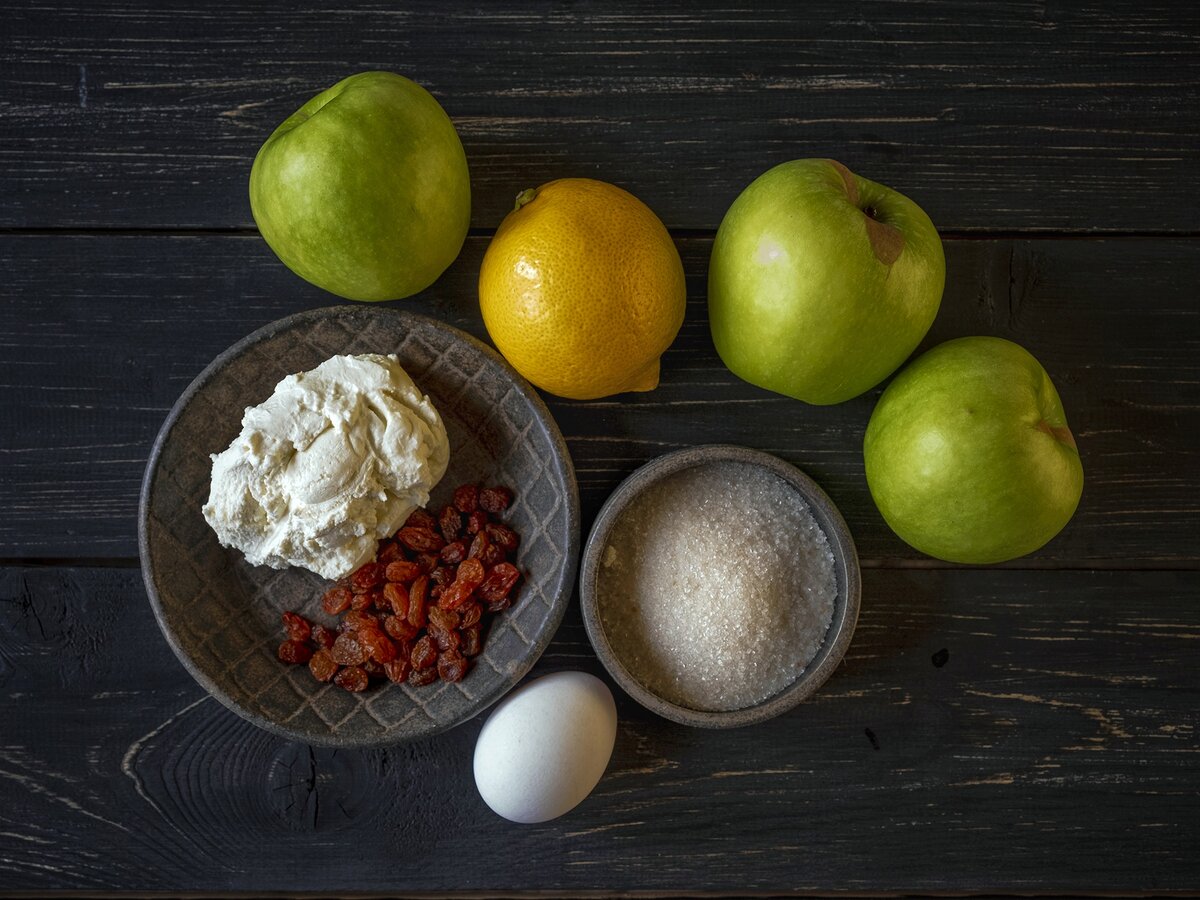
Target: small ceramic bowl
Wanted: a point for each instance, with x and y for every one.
(846, 604)
(221, 615)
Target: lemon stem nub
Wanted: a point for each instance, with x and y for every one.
(524, 197)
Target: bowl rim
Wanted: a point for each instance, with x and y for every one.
(846, 565)
(404, 317)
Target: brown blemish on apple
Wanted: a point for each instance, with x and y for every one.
(849, 180)
(887, 243)
(886, 240)
(1058, 432)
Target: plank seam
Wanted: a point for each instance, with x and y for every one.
(874, 564)
(699, 233)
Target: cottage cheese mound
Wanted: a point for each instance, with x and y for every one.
(329, 464)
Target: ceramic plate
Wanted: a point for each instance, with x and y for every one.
(846, 570)
(221, 615)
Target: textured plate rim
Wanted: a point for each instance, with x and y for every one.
(565, 584)
(829, 517)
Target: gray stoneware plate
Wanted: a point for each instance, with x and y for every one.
(221, 615)
(845, 565)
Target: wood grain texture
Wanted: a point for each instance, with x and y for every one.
(1055, 747)
(1030, 728)
(1014, 116)
(101, 334)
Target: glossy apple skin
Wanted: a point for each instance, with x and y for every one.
(803, 296)
(364, 190)
(968, 454)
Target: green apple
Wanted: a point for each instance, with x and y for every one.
(968, 454)
(364, 189)
(822, 283)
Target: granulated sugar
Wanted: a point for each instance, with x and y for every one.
(717, 587)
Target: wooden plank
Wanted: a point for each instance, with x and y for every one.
(1010, 116)
(1054, 750)
(101, 334)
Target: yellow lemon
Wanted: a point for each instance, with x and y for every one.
(582, 289)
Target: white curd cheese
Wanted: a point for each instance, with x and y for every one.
(329, 464)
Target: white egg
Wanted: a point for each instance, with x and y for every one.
(545, 746)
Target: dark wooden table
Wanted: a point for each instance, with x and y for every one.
(1029, 727)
